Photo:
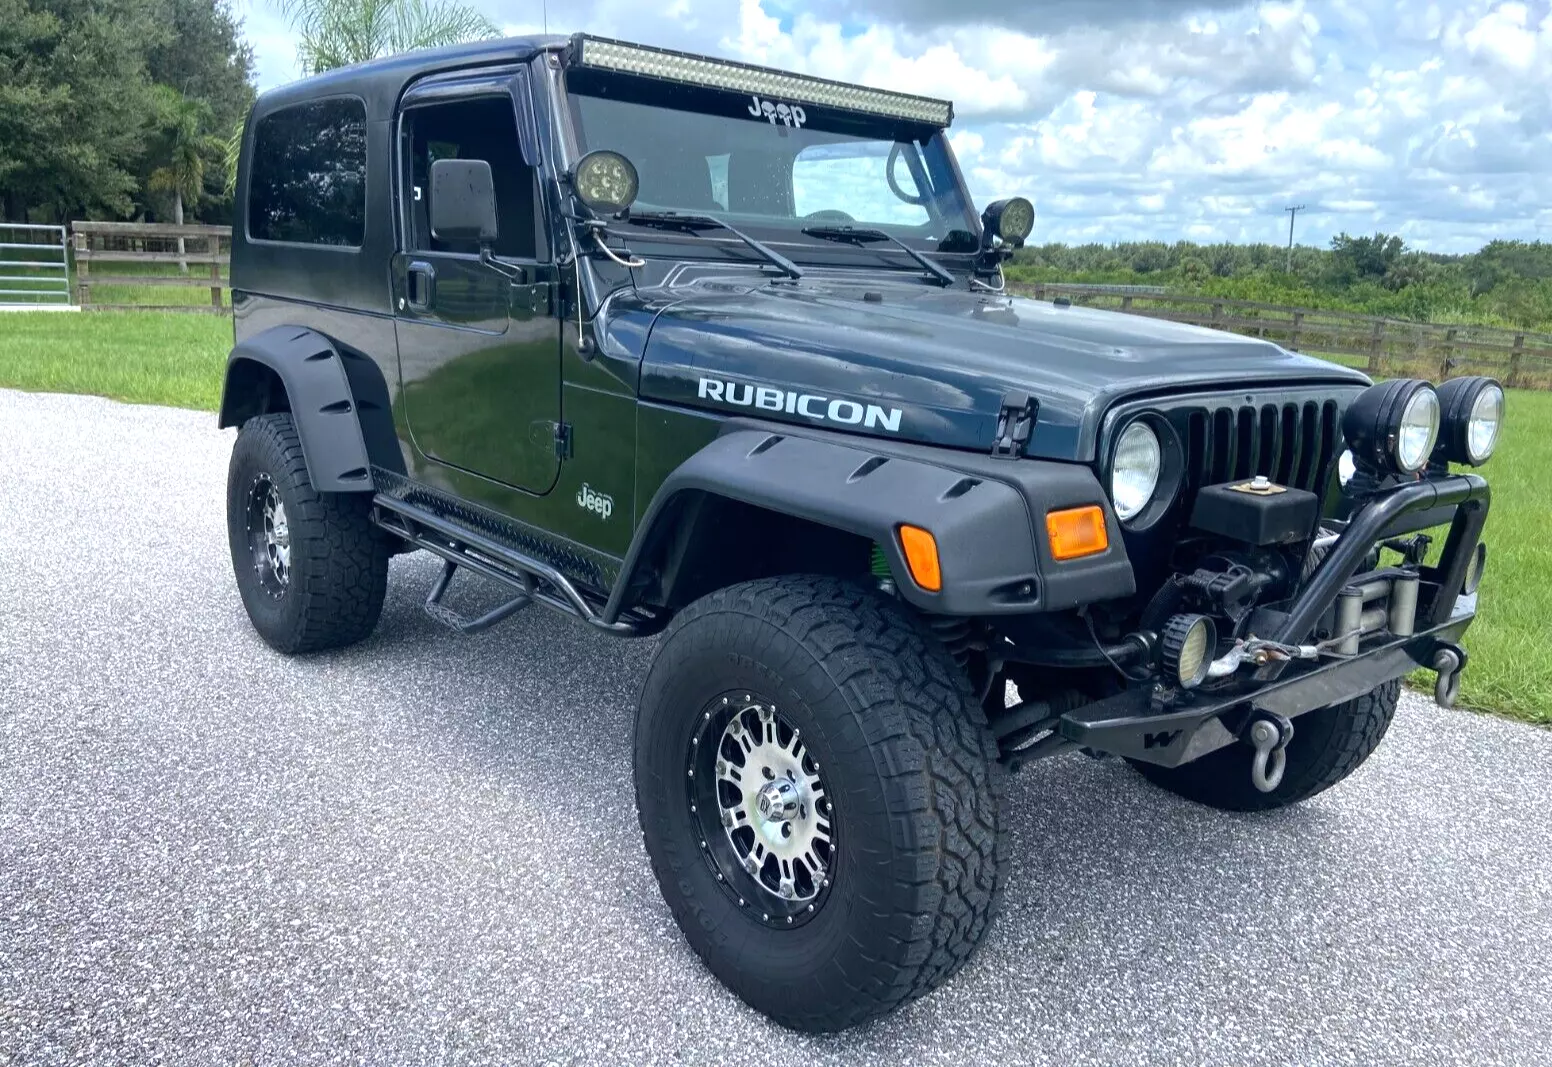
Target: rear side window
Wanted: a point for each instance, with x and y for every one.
(307, 184)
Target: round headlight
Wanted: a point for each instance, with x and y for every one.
(1134, 473)
(606, 182)
(1472, 415)
(1392, 426)
(1418, 430)
(1482, 430)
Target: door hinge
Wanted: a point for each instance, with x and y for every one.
(1015, 422)
(563, 440)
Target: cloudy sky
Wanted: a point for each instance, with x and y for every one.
(1135, 119)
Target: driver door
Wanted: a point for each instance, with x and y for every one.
(479, 345)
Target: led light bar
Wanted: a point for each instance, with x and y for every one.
(757, 81)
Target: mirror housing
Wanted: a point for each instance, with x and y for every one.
(463, 201)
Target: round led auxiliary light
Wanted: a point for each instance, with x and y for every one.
(1472, 416)
(1393, 426)
(1187, 645)
(1012, 220)
(606, 182)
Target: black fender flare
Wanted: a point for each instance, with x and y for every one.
(336, 401)
(995, 557)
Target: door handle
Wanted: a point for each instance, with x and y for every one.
(420, 281)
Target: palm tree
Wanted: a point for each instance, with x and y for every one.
(182, 146)
(336, 33)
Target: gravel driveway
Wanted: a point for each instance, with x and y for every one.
(423, 849)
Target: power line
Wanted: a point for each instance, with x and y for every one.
(1293, 213)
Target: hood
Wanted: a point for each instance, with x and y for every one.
(935, 365)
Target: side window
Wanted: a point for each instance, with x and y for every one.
(851, 178)
(480, 128)
(307, 182)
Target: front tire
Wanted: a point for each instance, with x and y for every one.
(877, 868)
(1328, 745)
(311, 567)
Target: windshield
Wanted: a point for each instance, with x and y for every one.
(771, 166)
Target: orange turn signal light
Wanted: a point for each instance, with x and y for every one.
(921, 555)
(1076, 532)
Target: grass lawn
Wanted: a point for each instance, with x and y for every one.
(1511, 662)
(177, 359)
(146, 357)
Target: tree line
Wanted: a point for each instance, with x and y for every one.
(133, 109)
(1505, 283)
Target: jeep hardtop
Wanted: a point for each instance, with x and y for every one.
(694, 349)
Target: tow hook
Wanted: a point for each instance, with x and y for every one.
(1269, 736)
(1450, 662)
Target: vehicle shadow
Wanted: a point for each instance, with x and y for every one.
(1110, 882)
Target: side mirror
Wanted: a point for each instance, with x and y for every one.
(463, 201)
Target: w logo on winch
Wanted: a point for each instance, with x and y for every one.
(1162, 739)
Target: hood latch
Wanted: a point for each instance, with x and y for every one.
(1015, 422)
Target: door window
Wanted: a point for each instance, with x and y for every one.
(480, 128)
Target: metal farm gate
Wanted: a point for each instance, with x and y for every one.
(34, 267)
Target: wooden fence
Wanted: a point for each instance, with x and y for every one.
(205, 251)
(1389, 347)
(1385, 347)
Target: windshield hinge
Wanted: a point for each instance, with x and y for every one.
(563, 440)
(1015, 422)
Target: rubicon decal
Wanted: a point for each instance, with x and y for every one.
(809, 405)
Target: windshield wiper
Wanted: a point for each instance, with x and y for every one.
(858, 236)
(673, 220)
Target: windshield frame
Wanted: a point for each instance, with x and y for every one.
(954, 210)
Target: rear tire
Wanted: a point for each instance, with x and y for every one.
(311, 567)
(855, 691)
(1328, 744)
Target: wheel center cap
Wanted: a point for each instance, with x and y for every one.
(778, 801)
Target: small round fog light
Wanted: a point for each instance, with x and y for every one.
(1474, 569)
(1187, 646)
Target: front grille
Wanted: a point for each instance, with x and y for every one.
(1293, 443)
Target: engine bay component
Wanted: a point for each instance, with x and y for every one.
(1256, 512)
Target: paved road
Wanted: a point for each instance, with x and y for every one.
(423, 850)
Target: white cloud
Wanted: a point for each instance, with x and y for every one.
(1166, 118)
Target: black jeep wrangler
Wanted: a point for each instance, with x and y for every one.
(689, 348)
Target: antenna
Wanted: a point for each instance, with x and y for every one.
(544, 7)
(1293, 213)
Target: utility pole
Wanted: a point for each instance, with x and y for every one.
(1293, 213)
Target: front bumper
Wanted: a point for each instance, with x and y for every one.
(1187, 725)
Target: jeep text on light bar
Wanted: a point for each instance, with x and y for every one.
(758, 81)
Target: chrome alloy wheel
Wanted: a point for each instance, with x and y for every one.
(760, 806)
(269, 536)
